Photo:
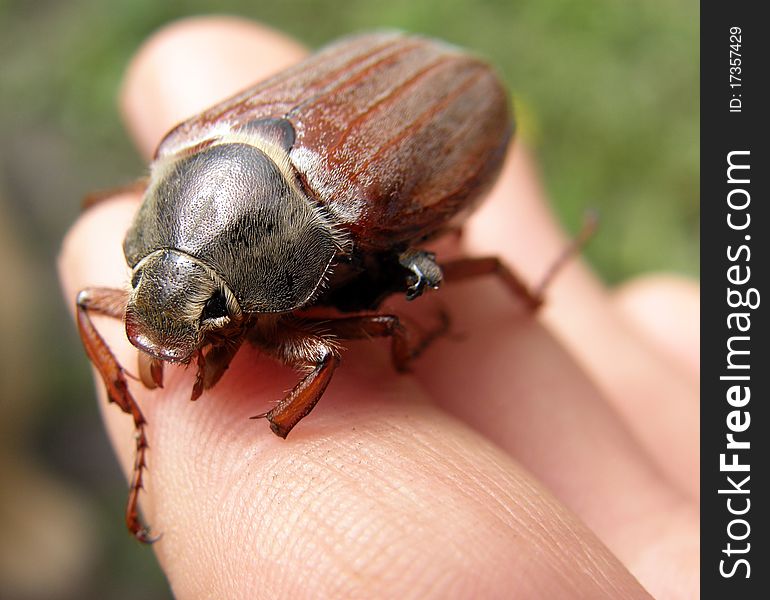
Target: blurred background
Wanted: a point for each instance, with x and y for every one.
(607, 96)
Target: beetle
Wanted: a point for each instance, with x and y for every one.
(318, 187)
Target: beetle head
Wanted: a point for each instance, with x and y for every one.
(174, 303)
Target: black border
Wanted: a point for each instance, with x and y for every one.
(721, 132)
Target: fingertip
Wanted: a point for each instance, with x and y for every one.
(191, 64)
(91, 253)
(360, 481)
(665, 309)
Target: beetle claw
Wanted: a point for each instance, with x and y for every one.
(424, 271)
(143, 535)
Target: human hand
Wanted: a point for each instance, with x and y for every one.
(539, 457)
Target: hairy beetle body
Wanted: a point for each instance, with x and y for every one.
(315, 187)
(352, 157)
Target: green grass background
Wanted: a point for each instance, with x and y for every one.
(606, 93)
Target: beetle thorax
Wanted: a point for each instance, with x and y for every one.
(239, 213)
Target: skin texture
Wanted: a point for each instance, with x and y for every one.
(532, 457)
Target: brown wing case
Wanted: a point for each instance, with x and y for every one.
(395, 134)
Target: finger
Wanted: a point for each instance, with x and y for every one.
(654, 400)
(512, 381)
(379, 495)
(665, 310)
(518, 386)
(208, 58)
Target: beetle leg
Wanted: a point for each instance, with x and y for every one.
(404, 348)
(213, 364)
(298, 403)
(99, 196)
(302, 399)
(587, 231)
(425, 271)
(112, 303)
(466, 268)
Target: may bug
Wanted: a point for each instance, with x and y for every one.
(316, 188)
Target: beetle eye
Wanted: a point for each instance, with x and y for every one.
(135, 279)
(215, 307)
